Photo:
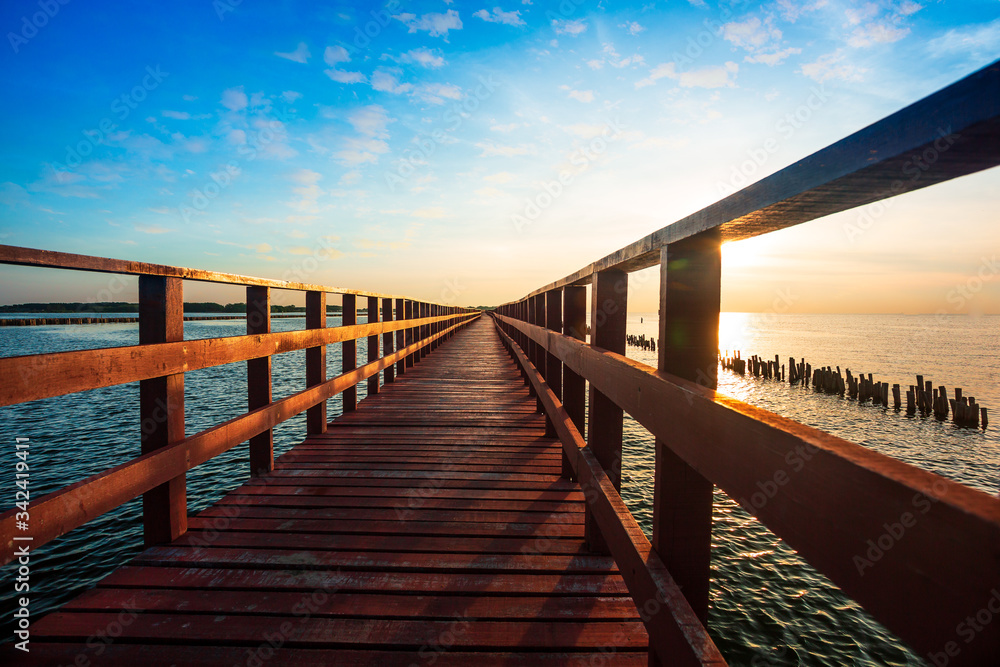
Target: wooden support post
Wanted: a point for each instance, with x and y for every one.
(373, 351)
(316, 361)
(161, 407)
(538, 319)
(608, 310)
(389, 374)
(259, 379)
(574, 386)
(400, 335)
(553, 367)
(408, 305)
(690, 284)
(349, 351)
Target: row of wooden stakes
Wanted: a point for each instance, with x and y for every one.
(641, 342)
(922, 396)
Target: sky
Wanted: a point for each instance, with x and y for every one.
(468, 153)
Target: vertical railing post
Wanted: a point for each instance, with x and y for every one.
(400, 335)
(259, 379)
(436, 326)
(161, 407)
(553, 367)
(410, 333)
(608, 309)
(316, 361)
(349, 351)
(574, 386)
(690, 285)
(389, 374)
(373, 351)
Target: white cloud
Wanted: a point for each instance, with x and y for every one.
(832, 66)
(760, 38)
(341, 76)
(613, 58)
(491, 149)
(876, 33)
(579, 95)
(489, 193)
(371, 121)
(663, 70)
(234, 99)
(176, 115)
(500, 16)
(308, 191)
(290, 96)
(437, 25)
(751, 34)
(333, 55)
(710, 77)
(386, 80)
(424, 57)
(437, 93)
(707, 77)
(772, 59)
(980, 41)
(632, 27)
(569, 27)
(300, 54)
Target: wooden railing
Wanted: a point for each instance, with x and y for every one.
(409, 329)
(938, 541)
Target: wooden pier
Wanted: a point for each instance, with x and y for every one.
(468, 510)
(430, 522)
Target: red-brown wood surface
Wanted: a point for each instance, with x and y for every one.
(429, 526)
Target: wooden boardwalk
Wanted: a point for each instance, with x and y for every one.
(429, 527)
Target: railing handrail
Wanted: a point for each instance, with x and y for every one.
(19, 256)
(958, 125)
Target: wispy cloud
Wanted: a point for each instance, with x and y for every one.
(833, 66)
(436, 24)
(569, 27)
(300, 54)
(500, 16)
(152, 229)
(424, 57)
(333, 56)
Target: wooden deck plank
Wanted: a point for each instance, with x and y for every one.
(436, 507)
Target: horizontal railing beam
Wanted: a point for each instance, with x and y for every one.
(64, 260)
(917, 550)
(32, 377)
(673, 627)
(951, 133)
(57, 513)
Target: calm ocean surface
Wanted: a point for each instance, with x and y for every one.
(768, 606)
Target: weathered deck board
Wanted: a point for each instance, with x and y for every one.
(431, 526)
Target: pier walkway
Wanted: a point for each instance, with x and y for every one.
(430, 523)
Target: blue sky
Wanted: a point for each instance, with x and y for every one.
(470, 152)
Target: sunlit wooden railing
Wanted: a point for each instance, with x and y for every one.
(937, 541)
(409, 329)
